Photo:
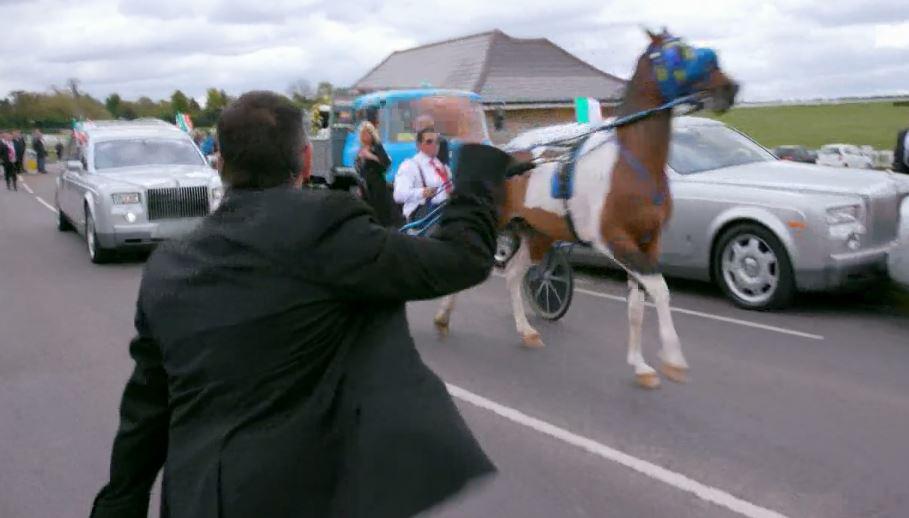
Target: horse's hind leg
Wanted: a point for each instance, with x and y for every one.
(646, 376)
(443, 316)
(515, 271)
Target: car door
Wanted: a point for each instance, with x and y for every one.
(76, 186)
(65, 191)
(679, 238)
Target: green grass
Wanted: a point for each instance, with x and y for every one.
(872, 123)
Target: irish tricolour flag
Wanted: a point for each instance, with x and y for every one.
(184, 122)
(587, 110)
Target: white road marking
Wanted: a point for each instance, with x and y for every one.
(649, 469)
(40, 200)
(729, 320)
(48, 205)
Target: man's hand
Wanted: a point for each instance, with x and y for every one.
(429, 192)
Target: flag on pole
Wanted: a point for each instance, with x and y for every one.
(587, 110)
(184, 122)
(79, 131)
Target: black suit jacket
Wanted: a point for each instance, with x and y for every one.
(5, 156)
(444, 150)
(19, 145)
(899, 153)
(275, 374)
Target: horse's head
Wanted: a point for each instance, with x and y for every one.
(674, 69)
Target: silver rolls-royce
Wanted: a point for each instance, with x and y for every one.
(763, 228)
(133, 185)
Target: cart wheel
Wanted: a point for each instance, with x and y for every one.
(548, 286)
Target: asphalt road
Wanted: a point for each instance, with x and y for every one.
(798, 413)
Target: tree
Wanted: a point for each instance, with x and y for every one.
(179, 102)
(73, 85)
(324, 92)
(114, 105)
(215, 101)
(128, 111)
(300, 90)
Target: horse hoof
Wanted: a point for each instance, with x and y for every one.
(533, 341)
(648, 381)
(674, 372)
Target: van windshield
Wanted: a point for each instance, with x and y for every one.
(403, 115)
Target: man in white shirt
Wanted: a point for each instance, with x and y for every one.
(423, 181)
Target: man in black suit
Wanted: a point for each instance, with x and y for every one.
(19, 145)
(40, 150)
(901, 152)
(275, 375)
(8, 160)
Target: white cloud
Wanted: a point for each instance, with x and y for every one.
(776, 49)
(893, 36)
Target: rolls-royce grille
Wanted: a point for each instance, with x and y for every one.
(884, 219)
(177, 202)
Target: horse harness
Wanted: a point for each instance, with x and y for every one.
(562, 187)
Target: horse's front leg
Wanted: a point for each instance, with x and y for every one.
(673, 362)
(443, 316)
(646, 376)
(515, 271)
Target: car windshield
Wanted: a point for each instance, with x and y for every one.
(114, 154)
(401, 117)
(702, 148)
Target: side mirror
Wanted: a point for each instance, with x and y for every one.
(213, 161)
(74, 166)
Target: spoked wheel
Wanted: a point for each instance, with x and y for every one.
(549, 286)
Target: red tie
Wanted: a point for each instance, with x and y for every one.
(440, 169)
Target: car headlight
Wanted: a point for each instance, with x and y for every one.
(844, 215)
(126, 198)
(217, 193)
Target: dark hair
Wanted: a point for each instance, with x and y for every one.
(372, 115)
(261, 137)
(422, 133)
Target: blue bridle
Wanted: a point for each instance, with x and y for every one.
(678, 66)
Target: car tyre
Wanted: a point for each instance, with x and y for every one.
(63, 223)
(97, 253)
(753, 268)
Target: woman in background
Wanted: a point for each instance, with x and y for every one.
(372, 163)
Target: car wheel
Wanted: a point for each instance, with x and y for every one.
(63, 224)
(753, 268)
(96, 252)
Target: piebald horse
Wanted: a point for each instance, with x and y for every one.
(620, 200)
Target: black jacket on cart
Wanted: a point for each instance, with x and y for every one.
(900, 164)
(275, 373)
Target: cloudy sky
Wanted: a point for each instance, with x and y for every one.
(778, 49)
